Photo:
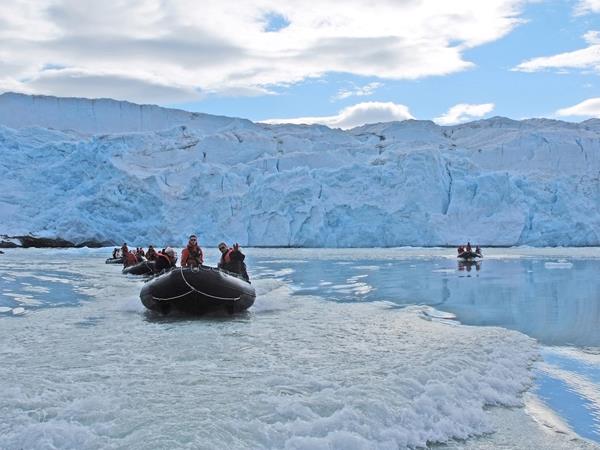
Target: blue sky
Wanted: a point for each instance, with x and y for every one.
(550, 29)
(342, 63)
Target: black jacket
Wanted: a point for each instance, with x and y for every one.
(236, 263)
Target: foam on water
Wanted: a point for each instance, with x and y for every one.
(375, 381)
(294, 372)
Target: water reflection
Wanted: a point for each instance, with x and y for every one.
(557, 302)
(468, 265)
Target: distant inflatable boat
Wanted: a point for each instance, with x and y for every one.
(114, 261)
(197, 291)
(141, 268)
(469, 256)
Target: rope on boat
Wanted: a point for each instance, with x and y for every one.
(193, 289)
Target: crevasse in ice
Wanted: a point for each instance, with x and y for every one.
(115, 171)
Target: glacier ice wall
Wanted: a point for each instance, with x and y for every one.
(82, 169)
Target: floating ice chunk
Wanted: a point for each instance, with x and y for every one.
(25, 299)
(356, 278)
(342, 286)
(362, 288)
(5, 309)
(558, 265)
(366, 267)
(286, 261)
(544, 415)
(36, 289)
(18, 311)
(437, 314)
(283, 272)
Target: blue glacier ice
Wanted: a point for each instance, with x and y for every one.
(114, 171)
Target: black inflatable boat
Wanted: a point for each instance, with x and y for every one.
(469, 255)
(141, 268)
(197, 291)
(114, 261)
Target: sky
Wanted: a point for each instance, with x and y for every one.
(338, 63)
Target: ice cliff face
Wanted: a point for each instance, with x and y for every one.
(99, 115)
(81, 169)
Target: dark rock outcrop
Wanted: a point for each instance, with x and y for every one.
(31, 241)
(41, 242)
(7, 244)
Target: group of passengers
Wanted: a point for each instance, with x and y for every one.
(468, 249)
(232, 258)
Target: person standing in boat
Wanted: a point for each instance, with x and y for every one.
(192, 256)
(124, 249)
(232, 260)
(165, 260)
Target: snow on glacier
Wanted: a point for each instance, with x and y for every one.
(114, 171)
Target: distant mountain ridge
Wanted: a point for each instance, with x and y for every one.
(108, 171)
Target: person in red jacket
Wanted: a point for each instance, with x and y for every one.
(129, 259)
(192, 256)
(165, 260)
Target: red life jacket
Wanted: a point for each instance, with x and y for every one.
(194, 253)
(130, 259)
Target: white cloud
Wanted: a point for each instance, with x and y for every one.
(227, 45)
(358, 91)
(588, 108)
(121, 86)
(586, 6)
(592, 37)
(586, 58)
(464, 112)
(356, 115)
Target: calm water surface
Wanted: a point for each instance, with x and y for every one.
(552, 295)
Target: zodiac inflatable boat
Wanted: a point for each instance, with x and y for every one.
(141, 268)
(197, 291)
